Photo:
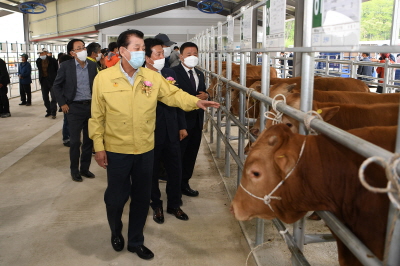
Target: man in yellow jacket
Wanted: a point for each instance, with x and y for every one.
(122, 128)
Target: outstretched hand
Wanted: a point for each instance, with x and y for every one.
(203, 104)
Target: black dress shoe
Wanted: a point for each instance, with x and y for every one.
(142, 252)
(67, 144)
(47, 115)
(88, 174)
(117, 242)
(158, 215)
(77, 177)
(190, 192)
(178, 213)
(28, 104)
(23, 103)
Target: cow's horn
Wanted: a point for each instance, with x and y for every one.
(272, 140)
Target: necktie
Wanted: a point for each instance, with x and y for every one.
(191, 77)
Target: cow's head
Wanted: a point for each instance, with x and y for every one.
(271, 157)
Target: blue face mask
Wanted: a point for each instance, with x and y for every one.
(137, 59)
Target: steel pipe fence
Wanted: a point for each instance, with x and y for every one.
(358, 145)
(10, 52)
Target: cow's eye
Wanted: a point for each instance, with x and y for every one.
(256, 174)
(289, 124)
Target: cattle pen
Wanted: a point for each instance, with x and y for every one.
(217, 44)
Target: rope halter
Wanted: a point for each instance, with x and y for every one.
(276, 115)
(267, 198)
(310, 115)
(393, 185)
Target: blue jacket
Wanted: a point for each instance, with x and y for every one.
(25, 70)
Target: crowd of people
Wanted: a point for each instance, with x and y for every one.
(131, 110)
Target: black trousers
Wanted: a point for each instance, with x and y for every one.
(51, 106)
(170, 154)
(4, 104)
(129, 175)
(189, 149)
(25, 93)
(78, 117)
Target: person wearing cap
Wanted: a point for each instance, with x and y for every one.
(25, 80)
(174, 57)
(166, 47)
(47, 67)
(73, 90)
(4, 81)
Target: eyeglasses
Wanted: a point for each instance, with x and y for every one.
(79, 49)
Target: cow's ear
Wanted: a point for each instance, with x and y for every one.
(328, 112)
(285, 162)
(290, 87)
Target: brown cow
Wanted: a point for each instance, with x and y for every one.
(325, 178)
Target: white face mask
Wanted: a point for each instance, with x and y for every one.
(191, 61)
(159, 64)
(167, 51)
(82, 55)
(43, 57)
(98, 57)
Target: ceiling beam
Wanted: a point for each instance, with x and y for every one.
(10, 7)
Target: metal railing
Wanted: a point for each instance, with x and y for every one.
(358, 145)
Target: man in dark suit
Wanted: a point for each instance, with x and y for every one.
(170, 129)
(47, 67)
(4, 81)
(73, 90)
(190, 80)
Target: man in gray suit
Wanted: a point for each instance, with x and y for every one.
(73, 90)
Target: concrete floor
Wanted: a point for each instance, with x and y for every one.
(47, 219)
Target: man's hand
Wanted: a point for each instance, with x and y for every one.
(182, 134)
(20, 76)
(101, 159)
(202, 95)
(65, 108)
(204, 104)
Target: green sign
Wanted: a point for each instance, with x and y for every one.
(317, 14)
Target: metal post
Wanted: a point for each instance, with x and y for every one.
(228, 107)
(307, 83)
(219, 110)
(241, 111)
(386, 76)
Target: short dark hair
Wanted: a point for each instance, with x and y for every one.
(70, 45)
(124, 36)
(367, 54)
(176, 47)
(186, 45)
(93, 47)
(112, 46)
(59, 55)
(64, 58)
(150, 43)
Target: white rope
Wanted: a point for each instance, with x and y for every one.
(283, 234)
(276, 115)
(393, 185)
(267, 198)
(310, 115)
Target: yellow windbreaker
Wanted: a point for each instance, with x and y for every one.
(123, 116)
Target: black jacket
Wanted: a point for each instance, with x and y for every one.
(51, 69)
(4, 76)
(65, 85)
(183, 82)
(169, 120)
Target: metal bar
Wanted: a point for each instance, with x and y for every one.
(297, 254)
(228, 107)
(241, 110)
(219, 110)
(363, 254)
(309, 239)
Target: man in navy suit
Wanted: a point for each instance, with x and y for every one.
(73, 91)
(170, 130)
(190, 80)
